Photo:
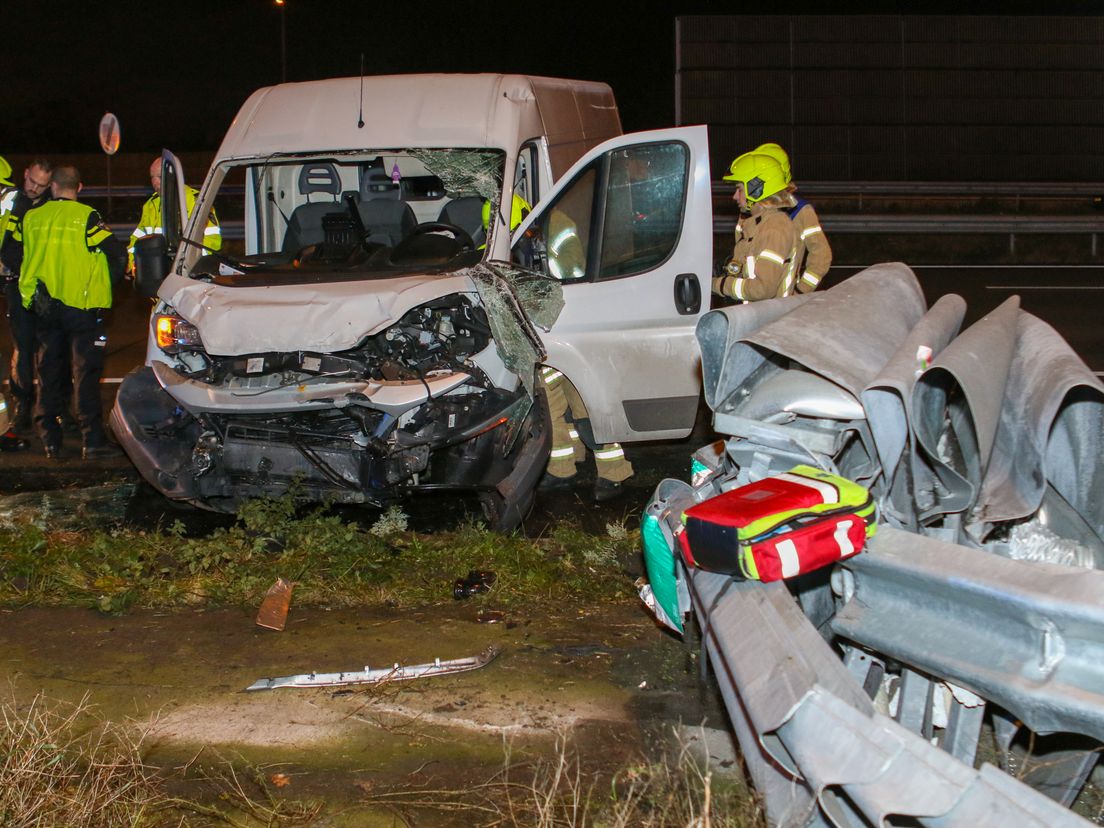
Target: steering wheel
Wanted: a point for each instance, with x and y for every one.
(462, 236)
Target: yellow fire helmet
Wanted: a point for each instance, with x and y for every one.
(519, 209)
(5, 172)
(760, 176)
(778, 154)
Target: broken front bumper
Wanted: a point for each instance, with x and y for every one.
(214, 457)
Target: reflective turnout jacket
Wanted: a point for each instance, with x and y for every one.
(765, 245)
(813, 254)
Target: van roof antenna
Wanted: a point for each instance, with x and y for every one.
(360, 115)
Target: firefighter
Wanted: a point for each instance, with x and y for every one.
(813, 255)
(67, 260)
(568, 414)
(766, 239)
(149, 223)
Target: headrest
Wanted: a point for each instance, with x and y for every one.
(319, 177)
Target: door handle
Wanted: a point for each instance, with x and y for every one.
(687, 294)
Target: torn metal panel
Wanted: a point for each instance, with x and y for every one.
(843, 334)
(379, 675)
(1051, 426)
(887, 399)
(1028, 636)
(956, 407)
(725, 368)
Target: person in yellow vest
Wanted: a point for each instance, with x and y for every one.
(813, 255)
(766, 239)
(68, 261)
(519, 209)
(149, 222)
(14, 203)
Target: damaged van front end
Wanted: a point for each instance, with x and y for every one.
(335, 362)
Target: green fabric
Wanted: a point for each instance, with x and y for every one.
(659, 563)
(58, 251)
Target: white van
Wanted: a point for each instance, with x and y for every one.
(381, 331)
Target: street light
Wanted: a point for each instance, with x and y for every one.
(281, 5)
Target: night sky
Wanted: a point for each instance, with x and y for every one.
(175, 74)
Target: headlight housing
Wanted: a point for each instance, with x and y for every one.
(174, 334)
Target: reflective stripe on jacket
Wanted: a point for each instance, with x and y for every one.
(813, 255)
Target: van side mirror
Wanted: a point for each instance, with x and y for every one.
(151, 264)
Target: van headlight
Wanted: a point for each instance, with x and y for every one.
(174, 335)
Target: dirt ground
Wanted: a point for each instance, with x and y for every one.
(608, 680)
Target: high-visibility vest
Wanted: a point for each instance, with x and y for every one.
(58, 250)
(7, 204)
(149, 222)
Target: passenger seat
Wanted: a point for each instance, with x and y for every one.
(386, 217)
(305, 223)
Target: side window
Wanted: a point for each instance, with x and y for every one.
(620, 216)
(557, 242)
(525, 174)
(643, 207)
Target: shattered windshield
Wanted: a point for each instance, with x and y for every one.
(375, 211)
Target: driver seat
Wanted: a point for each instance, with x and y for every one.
(466, 212)
(305, 223)
(387, 219)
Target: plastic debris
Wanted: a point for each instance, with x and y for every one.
(274, 608)
(477, 581)
(396, 672)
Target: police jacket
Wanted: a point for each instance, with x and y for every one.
(14, 204)
(66, 246)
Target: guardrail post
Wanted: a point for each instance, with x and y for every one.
(1011, 244)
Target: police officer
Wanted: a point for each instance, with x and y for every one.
(567, 413)
(813, 255)
(67, 261)
(14, 204)
(766, 239)
(149, 222)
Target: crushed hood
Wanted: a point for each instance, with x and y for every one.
(327, 317)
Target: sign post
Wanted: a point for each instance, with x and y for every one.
(109, 143)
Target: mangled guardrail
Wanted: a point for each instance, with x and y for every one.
(971, 630)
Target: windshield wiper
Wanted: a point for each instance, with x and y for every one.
(222, 257)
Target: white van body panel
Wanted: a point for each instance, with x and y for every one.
(442, 110)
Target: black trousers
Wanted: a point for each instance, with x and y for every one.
(70, 336)
(22, 324)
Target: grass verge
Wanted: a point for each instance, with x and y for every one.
(332, 561)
